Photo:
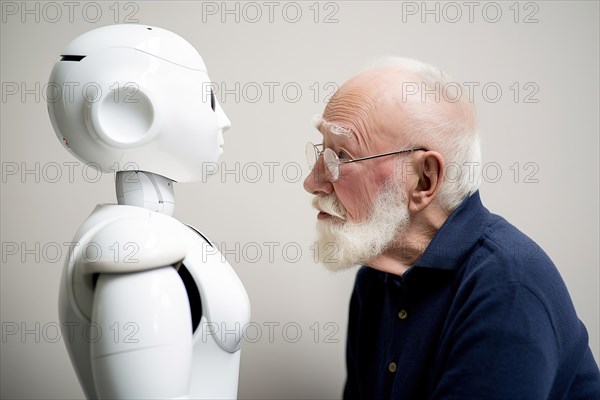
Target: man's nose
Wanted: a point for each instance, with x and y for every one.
(317, 182)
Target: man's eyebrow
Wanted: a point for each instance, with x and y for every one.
(321, 124)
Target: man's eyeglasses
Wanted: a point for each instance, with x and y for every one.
(332, 161)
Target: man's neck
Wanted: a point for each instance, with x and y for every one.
(411, 243)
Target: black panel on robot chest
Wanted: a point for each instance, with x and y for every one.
(193, 295)
(192, 288)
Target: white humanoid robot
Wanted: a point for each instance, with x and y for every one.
(149, 308)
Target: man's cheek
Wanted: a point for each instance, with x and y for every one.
(358, 212)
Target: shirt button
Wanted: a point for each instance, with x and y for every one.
(402, 314)
(392, 367)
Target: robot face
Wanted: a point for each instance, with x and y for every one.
(142, 100)
(223, 123)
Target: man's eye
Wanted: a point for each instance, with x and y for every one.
(342, 155)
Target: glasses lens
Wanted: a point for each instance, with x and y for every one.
(333, 163)
(311, 155)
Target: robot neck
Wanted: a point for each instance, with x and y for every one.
(147, 190)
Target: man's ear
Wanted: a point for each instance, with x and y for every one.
(428, 176)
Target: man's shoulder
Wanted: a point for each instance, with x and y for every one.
(506, 251)
(507, 260)
(508, 238)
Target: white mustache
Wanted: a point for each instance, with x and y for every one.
(330, 205)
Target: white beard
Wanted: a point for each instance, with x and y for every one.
(343, 244)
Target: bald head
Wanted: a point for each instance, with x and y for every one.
(370, 103)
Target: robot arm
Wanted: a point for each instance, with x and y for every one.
(145, 348)
(140, 320)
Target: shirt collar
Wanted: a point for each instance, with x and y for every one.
(456, 238)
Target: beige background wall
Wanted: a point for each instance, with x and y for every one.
(275, 63)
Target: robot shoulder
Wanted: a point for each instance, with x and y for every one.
(130, 244)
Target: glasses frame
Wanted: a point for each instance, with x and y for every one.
(336, 160)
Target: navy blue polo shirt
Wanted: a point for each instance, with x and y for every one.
(483, 314)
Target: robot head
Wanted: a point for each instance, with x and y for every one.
(136, 97)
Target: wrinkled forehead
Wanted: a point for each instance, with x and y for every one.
(352, 111)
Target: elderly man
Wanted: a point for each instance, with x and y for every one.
(452, 302)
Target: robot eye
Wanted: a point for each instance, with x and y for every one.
(212, 100)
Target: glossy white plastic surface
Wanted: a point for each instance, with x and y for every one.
(149, 39)
(139, 99)
(225, 304)
(145, 349)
